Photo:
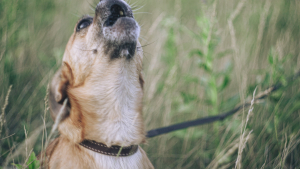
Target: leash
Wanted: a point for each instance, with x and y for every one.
(220, 117)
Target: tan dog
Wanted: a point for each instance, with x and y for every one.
(101, 77)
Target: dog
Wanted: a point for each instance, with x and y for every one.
(102, 125)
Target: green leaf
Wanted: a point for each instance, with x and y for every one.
(212, 45)
(207, 66)
(225, 83)
(277, 95)
(187, 98)
(18, 166)
(212, 83)
(266, 81)
(283, 81)
(212, 95)
(270, 58)
(197, 52)
(32, 162)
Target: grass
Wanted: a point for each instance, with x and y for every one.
(200, 58)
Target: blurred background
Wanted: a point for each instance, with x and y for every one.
(201, 58)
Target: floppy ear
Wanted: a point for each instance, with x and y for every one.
(58, 91)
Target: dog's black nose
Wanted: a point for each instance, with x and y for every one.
(114, 9)
(117, 6)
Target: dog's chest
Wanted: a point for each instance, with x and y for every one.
(109, 162)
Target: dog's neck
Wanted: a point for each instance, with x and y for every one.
(110, 104)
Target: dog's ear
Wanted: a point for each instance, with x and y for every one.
(58, 91)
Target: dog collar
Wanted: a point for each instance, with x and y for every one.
(111, 151)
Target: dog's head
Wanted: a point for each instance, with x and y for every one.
(102, 61)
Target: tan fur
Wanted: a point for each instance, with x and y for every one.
(105, 100)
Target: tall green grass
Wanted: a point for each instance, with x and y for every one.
(200, 58)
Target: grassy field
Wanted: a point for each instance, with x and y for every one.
(201, 58)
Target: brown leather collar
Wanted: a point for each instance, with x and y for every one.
(111, 151)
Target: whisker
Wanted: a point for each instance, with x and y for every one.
(138, 8)
(146, 53)
(133, 4)
(76, 14)
(142, 25)
(142, 13)
(93, 7)
(146, 56)
(146, 45)
(143, 39)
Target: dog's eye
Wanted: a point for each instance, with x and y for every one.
(83, 24)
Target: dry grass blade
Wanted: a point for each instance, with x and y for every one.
(25, 140)
(58, 119)
(6, 137)
(1, 55)
(234, 45)
(2, 116)
(290, 144)
(29, 143)
(261, 27)
(44, 118)
(27, 158)
(230, 24)
(243, 139)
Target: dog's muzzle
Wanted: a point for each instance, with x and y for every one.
(119, 28)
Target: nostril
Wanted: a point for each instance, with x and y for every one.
(117, 10)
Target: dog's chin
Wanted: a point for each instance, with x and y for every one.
(122, 37)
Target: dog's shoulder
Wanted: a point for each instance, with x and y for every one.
(52, 146)
(44, 156)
